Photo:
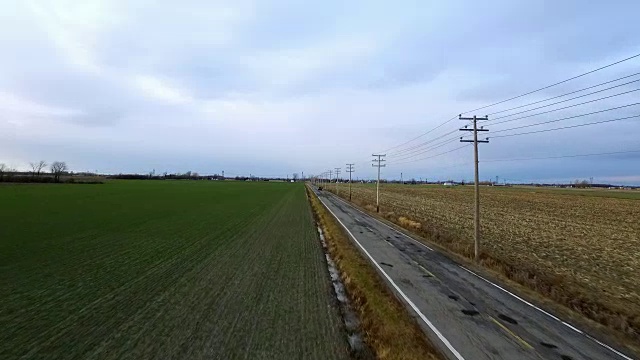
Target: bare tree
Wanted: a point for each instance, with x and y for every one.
(36, 168)
(57, 168)
(3, 168)
(295, 176)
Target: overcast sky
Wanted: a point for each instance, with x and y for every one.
(276, 87)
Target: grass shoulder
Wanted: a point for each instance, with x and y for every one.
(388, 328)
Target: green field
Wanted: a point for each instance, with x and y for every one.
(166, 269)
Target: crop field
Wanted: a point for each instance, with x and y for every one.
(164, 269)
(579, 247)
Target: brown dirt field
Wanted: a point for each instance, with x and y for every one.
(579, 250)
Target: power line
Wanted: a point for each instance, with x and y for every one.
(573, 98)
(568, 127)
(517, 97)
(563, 95)
(577, 116)
(433, 156)
(563, 108)
(430, 148)
(564, 156)
(421, 135)
(565, 118)
(552, 85)
(421, 144)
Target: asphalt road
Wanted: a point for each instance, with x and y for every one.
(467, 316)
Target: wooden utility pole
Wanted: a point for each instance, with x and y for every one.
(350, 170)
(475, 142)
(402, 181)
(378, 163)
(337, 177)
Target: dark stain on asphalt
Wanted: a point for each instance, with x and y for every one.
(547, 345)
(385, 264)
(508, 319)
(426, 276)
(566, 357)
(454, 297)
(470, 312)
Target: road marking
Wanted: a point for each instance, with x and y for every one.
(510, 293)
(520, 340)
(383, 224)
(572, 327)
(427, 271)
(608, 347)
(402, 294)
(550, 315)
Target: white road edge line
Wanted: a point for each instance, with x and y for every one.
(405, 297)
(551, 316)
(512, 294)
(381, 223)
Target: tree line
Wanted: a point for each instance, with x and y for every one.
(38, 172)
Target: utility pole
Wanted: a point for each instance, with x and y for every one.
(330, 177)
(337, 177)
(402, 181)
(475, 142)
(350, 170)
(378, 163)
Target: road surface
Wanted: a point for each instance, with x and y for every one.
(467, 316)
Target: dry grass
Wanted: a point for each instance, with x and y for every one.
(577, 249)
(408, 223)
(387, 327)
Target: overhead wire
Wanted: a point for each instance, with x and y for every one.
(563, 108)
(573, 98)
(421, 144)
(447, 142)
(555, 84)
(522, 95)
(421, 135)
(577, 116)
(433, 156)
(565, 127)
(564, 118)
(563, 156)
(563, 95)
(423, 148)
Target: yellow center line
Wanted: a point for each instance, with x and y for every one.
(520, 340)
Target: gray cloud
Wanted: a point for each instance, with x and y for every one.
(283, 86)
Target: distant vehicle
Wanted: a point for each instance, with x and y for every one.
(319, 188)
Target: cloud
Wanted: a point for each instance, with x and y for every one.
(17, 106)
(283, 86)
(158, 89)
